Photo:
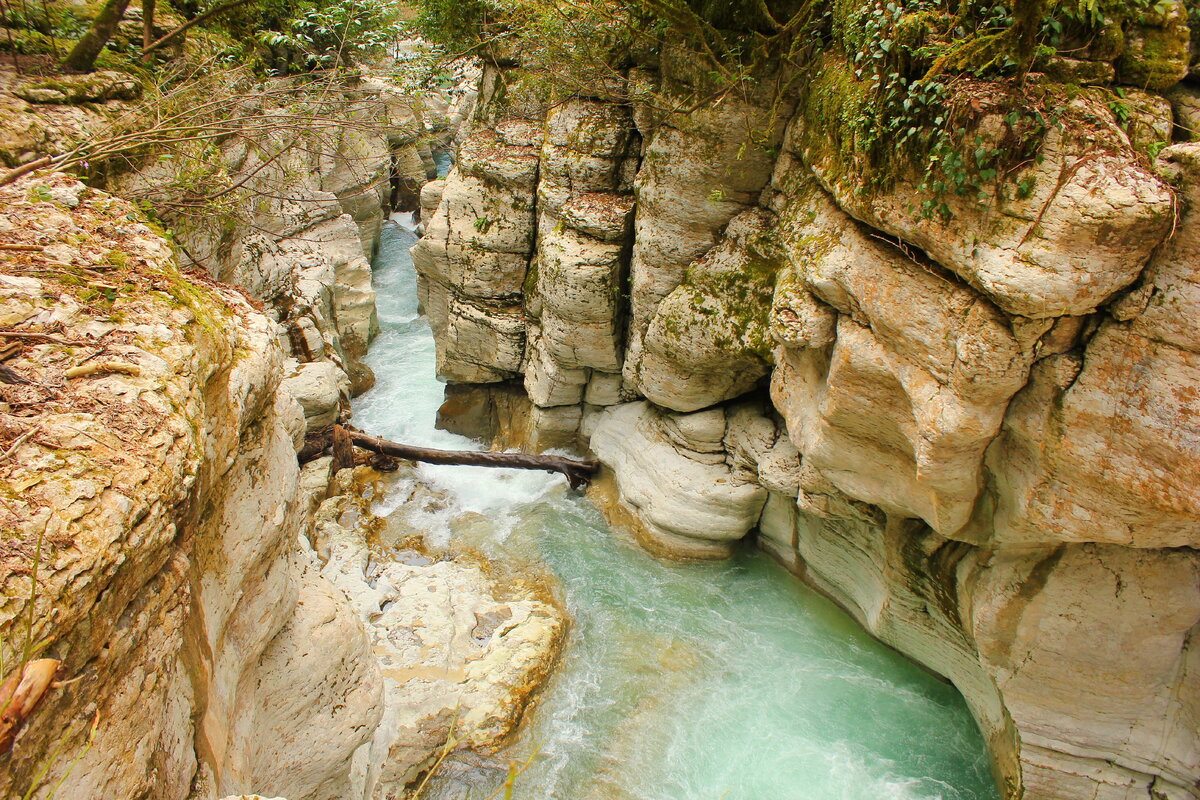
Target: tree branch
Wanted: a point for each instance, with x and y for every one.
(212, 12)
(578, 473)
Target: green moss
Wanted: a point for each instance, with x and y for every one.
(1156, 58)
(735, 302)
(529, 287)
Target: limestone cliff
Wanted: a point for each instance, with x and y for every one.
(154, 498)
(161, 545)
(974, 428)
(299, 225)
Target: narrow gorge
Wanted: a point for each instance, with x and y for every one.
(880, 317)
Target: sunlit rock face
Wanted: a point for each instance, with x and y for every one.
(460, 656)
(974, 430)
(170, 579)
(221, 624)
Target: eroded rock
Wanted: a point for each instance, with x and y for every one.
(686, 502)
(458, 659)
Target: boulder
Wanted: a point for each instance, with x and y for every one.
(320, 387)
(708, 340)
(684, 502)
(1157, 47)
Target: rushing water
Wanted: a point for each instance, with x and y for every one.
(680, 682)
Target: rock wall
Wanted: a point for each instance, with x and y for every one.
(154, 496)
(220, 625)
(299, 232)
(975, 431)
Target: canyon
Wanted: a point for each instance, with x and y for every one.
(973, 429)
(975, 432)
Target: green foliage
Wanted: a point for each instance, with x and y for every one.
(57, 20)
(339, 32)
(925, 73)
(455, 24)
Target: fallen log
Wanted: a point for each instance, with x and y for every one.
(578, 473)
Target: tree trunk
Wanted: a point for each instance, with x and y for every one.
(83, 56)
(147, 26)
(343, 449)
(578, 473)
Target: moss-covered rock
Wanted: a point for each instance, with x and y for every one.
(1157, 47)
(96, 87)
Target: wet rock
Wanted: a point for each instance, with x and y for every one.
(685, 503)
(457, 660)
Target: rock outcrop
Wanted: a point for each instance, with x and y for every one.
(220, 629)
(312, 198)
(459, 660)
(975, 430)
(158, 510)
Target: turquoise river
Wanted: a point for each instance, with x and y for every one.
(720, 681)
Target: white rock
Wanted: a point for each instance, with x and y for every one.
(685, 507)
(320, 387)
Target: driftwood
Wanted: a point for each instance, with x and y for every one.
(343, 439)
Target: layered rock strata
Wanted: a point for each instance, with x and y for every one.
(159, 544)
(974, 430)
(154, 496)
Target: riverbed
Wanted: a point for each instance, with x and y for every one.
(716, 681)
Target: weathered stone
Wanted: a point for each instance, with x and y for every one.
(473, 258)
(320, 387)
(697, 173)
(1085, 230)
(708, 339)
(603, 389)
(1080, 71)
(1157, 47)
(900, 411)
(1170, 281)
(457, 660)
(95, 87)
(1151, 120)
(1054, 626)
(683, 506)
(170, 577)
(548, 384)
(1185, 102)
(488, 345)
(579, 283)
(1102, 449)
(431, 196)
